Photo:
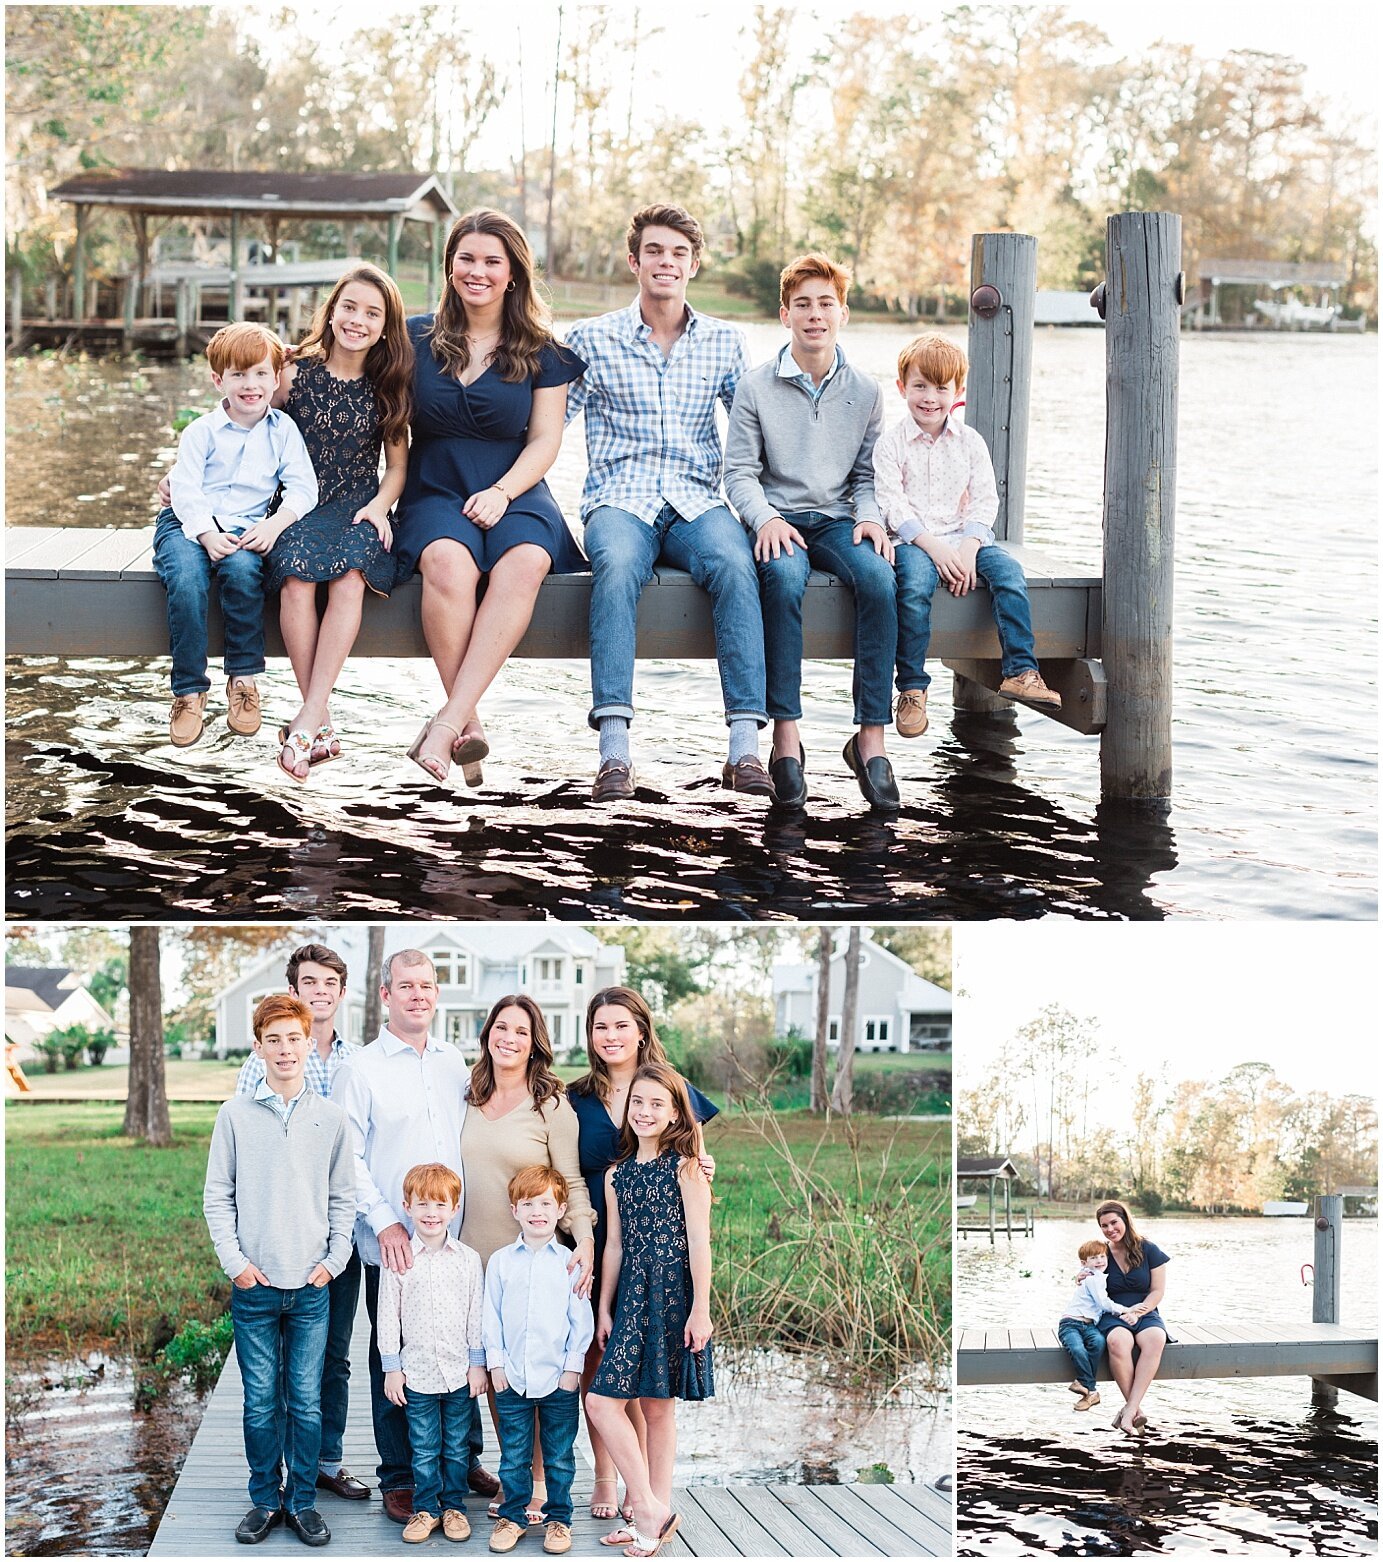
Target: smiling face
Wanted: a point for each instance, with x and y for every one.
(652, 1109)
(480, 271)
(1098, 1261)
(1112, 1227)
(511, 1039)
(283, 1046)
(664, 265)
(928, 401)
(248, 392)
(538, 1216)
(319, 987)
(615, 1035)
(430, 1218)
(358, 316)
(814, 315)
(412, 997)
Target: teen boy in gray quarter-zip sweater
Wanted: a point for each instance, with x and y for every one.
(799, 471)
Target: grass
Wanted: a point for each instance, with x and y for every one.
(186, 1079)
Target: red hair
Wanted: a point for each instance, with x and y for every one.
(280, 1006)
(242, 346)
(432, 1182)
(935, 357)
(535, 1180)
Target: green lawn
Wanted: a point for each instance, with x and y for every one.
(203, 1079)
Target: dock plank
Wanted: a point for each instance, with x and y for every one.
(932, 1533)
(893, 1539)
(809, 1506)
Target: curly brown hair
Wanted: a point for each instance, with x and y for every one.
(388, 364)
(526, 324)
(542, 1082)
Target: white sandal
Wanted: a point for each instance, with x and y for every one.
(300, 743)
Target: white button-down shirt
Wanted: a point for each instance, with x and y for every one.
(536, 1326)
(405, 1108)
(229, 473)
(429, 1319)
(944, 486)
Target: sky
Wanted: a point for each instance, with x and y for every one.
(1202, 996)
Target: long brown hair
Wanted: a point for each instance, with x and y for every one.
(679, 1136)
(542, 1082)
(597, 1081)
(526, 324)
(1133, 1243)
(388, 364)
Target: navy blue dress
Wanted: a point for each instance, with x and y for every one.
(1131, 1289)
(643, 1358)
(598, 1148)
(466, 437)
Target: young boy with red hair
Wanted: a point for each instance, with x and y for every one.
(935, 485)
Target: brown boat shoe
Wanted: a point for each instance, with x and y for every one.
(455, 1525)
(1028, 687)
(505, 1535)
(747, 775)
(242, 702)
(187, 719)
(910, 715)
(1087, 1401)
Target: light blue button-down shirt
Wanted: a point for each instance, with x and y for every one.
(790, 369)
(651, 435)
(536, 1326)
(271, 1097)
(230, 474)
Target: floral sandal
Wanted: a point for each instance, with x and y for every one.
(326, 746)
(298, 745)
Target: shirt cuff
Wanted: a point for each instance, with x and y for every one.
(574, 1363)
(983, 534)
(905, 531)
(381, 1217)
(477, 1358)
(495, 1361)
(391, 1363)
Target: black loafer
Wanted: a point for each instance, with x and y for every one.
(343, 1484)
(309, 1526)
(875, 778)
(789, 780)
(256, 1524)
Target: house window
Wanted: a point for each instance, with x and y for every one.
(580, 976)
(876, 1030)
(452, 968)
(554, 1030)
(459, 1028)
(833, 1030)
(548, 971)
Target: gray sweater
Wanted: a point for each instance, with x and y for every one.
(784, 452)
(282, 1198)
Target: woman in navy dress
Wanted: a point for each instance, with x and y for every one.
(489, 403)
(620, 1038)
(1136, 1279)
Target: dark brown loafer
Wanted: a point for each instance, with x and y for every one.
(343, 1484)
(398, 1504)
(613, 782)
(747, 775)
(482, 1483)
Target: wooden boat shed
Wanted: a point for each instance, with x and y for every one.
(1271, 276)
(993, 1169)
(249, 203)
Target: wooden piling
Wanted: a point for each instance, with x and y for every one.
(998, 389)
(1143, 261)
(79, 266)
(235, 299)
(182, 314)
(1325, 1289)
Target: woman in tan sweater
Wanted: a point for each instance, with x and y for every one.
(518, 1115)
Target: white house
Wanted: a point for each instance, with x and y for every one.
(477, 963)
(43, 998)
(898, 1010)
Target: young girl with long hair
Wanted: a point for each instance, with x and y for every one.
(654, 1317)
(349, 390)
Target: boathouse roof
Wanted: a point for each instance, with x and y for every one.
(199, 191)
(1283, 273)
(986, 1166)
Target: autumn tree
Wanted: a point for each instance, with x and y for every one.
(374, 977)
(825, 945)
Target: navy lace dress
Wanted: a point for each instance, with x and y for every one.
(643, 1358)
(339, 422)
(466, 437)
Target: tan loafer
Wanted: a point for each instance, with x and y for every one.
(505, 1535)
(420, 1527)
(1088, 1401)
(242, 707)
(910, 714)
(1029, 688)
(187, 719)
(558, 1538)
(455, 1525)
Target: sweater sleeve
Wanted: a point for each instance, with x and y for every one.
(744, 460)
(388, 1328)
(563, 1133)
(341, 1199)
(218, 1197)
(862, 496)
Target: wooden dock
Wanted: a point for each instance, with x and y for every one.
(717, 1521)
(1346, 1357)
(75, 591)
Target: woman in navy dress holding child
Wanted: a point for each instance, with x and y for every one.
(489, 403)
(1136, 1279)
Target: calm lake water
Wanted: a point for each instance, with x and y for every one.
(1275, 714)
(1230, 1466)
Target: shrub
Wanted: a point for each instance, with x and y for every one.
(903, 1092)
(756, 279)
(198, 1351)
(1151, 1201)
(790, 1056)
(99, 1043)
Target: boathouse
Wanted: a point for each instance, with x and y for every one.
(994, 1170)
(1282, 282)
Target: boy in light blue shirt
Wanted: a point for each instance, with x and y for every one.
(537, 1331)
(231, 463)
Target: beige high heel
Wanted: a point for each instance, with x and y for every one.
(415, 753)
(468, 752)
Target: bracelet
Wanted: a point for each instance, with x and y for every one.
(508, 497)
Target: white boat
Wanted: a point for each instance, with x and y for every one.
(1285, 1207)
(1292, 315)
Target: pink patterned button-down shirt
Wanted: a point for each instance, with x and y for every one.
(943, 486)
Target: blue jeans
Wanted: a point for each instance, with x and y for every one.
(187, 571)
(557, 1415)
(782, 582)
(392, 1442)
(1084, 1344)
(1008, 601)
(274, 1326)
(439, 1428)
(344, 1294)
(715, 550)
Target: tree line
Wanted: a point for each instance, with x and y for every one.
(887, 139)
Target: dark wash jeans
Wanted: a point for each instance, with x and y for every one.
(557, 1415)
(392, 1442)
(187, 571)
(1008, 600)
(1084, 1344)
(439, 1427)
(344, 1294)
(280, 1339)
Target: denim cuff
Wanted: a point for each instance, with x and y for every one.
(597, 711)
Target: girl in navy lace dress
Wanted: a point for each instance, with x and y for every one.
(349, 390)
(654, 1319)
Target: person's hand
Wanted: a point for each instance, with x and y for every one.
(262, 536)
(876, 535)
(948, 564)
(1083, 1274)
(319, 1277)
(604, 1324)
(707, 1163)
(220, 545)
(393, 1389)
(478, 1380)
(379, 519)
(165, 490)
(1130, 1315)
(967, 551)
(499, 1379)
(698, 1329)
(776, 537)
(396, 1248)
(570, 1381)
(249, 1277)
(485, 508)
(584, 1260)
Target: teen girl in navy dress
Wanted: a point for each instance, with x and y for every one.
(1136, 1279)
(489, 403)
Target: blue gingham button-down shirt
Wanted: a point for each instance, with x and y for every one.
(318, 1075)
(651, 435)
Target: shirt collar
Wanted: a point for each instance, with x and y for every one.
(640, 329)
(915, 431)
(222, 419)
(552, 1243)
(266, 1091)
(790, 369)
(451, 1245)
(391, 1043)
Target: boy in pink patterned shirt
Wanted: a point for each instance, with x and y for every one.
(934, 481)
